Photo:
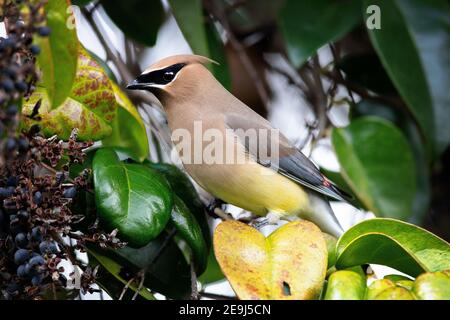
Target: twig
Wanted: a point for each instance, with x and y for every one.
(194, 290)
(338, 72)
(125, 288)
(141, 284)
(215, 296)
(220, 15)
(125, 75)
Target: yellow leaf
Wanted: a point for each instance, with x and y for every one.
(289, 264)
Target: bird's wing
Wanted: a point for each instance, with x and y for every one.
(291, 162)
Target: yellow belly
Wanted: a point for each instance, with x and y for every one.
(252, 187)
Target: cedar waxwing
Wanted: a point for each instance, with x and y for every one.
(190, 95)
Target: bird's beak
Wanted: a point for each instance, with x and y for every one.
(136, 85)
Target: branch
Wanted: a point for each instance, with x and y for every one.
(125, 75)
(220, 15)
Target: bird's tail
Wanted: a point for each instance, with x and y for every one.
(322, 215)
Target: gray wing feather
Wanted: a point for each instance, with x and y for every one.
(292, 163)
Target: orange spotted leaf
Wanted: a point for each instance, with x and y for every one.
(290, 263)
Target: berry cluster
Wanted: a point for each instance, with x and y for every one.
(38, 191)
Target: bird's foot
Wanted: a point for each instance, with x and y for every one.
(271, 218)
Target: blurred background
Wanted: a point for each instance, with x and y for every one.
(361, 87)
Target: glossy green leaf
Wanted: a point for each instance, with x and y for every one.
(309, 25)
(189, 230)
(109, 279)
(346, 285)
(80, 3)
(433, 286)
(212, 273)
(185, 190)
(338, 179)
(166, 269)
(413, 44)
(201, 35)
(58, 57)
(331, 248)
(404, 122)
(132, 198)
(400, 245)
(377, 163)
(366, 70)
(217, 53)
(128, 130)
(189, 16)
(91, 107)
(138, 19)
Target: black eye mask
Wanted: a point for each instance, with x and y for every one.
(162, 76)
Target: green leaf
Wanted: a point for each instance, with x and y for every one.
(189, 16)
(128, 130)
(91, 106)
(217, 53)
(190, 231)
(433, 286)
(212, 272)
(378, 165)
(109, 279)
(58, 57)
(331, 249)
(132, 198)
(346, 285)
(393, 243)
(413, 44)
(138, 19)
(166, 269)
(201, 36)
(404, 122)
(366, 70)
(80, 3)
(338, 179)
(183, 188)
(309, 25)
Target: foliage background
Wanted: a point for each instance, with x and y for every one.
(370, 106)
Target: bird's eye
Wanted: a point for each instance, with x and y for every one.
(168, 76)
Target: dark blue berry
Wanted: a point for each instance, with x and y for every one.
(21, 86)
(7, 85)
(48, 247)
(70, 192)
(23, 215)
(44, 31)
(30, 270)
(6, 192)
(21, 256)
(34, 48)
(21, 240)
(21, 271)
(36, 260)
(12, 110)
(35, 234)
(13, 288)
(11, 71)
(37, 197)
(11, 144)
(23, 144)
(12, 181)
(36, 280)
